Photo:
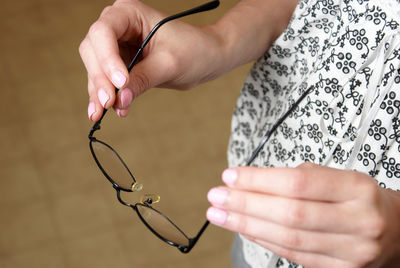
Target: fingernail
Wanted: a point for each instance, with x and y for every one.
(121, 113)
(118, 79)
(217, 196)
(103, 97)
(126, 97)
(91, 110)
(118, 111)
(217, 216)
(229, 176)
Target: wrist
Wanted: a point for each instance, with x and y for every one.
(215, 54)
(247, 31)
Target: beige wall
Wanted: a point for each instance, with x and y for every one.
(56, 208)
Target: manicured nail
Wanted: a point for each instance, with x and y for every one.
(91, 110)
(126, 97)
(217, 216)
(229, 176)
(118, 111)
(118, 79)
(103, 97)
(121, 113)
(217, 196)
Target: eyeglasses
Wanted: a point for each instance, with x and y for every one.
(122, 179)
(118, 173)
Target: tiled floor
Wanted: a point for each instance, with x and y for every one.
(56, 209)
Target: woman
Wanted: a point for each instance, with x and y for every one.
(320, 192)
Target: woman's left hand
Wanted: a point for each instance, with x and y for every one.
(313, 215)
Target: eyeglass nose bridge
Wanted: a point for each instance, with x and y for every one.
(150, 199)
(146, 199)
(118, 190)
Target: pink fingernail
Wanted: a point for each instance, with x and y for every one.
(126, 97)
(103, 97)
(118, 79)
(229, 176)
(91, 110)
(217, 196)
(121, 113)
(118, 111)
(217, 216)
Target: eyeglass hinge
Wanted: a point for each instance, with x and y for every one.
(95, 127)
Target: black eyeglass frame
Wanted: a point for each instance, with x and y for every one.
(191, 241)
(146, 203)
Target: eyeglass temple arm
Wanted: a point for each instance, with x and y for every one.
(193, 241)
(205, 7)
(276, 125)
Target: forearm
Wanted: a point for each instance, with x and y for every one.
(250, 27)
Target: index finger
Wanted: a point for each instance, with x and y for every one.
(307, 181)
(120, 22)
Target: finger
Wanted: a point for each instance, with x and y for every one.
(362, 255)
(101, 86)
(152, 71)
(303, 258)
(305, 182)
(295, 213)
(299, 240)
(155, 69)
(123, 99)
(113, 25)
(122, 112)
(94, 108)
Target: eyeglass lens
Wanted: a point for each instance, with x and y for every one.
(161, 225)
(112, 165)
(119, 174)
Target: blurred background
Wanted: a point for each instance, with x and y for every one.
(56, 208)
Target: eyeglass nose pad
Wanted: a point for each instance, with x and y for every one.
(136, 187)
(150, 199)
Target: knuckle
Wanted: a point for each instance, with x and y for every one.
(174, 63)
(251, 177)
(171, 63)
(82, 47)
(291, 239)
(298, 183)
(376, 226)
(97, 79)
(238, 201)
(241, 224)
(294, 214)
(118, 2)
(369, 253)
(142, 82)
(365, 185)
(307, 165)
(97, 28)
(105, 10)
(372, 192)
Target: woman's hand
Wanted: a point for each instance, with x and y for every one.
(313, 215)
(178, 56)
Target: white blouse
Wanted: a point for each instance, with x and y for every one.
(349, 51)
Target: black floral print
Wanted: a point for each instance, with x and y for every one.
(349, 52)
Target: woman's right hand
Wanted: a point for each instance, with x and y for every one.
(179, 56)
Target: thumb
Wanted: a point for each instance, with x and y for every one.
(148, 73)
